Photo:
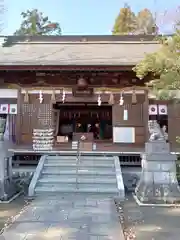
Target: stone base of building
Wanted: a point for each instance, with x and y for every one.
(158, 182)
(158, 193)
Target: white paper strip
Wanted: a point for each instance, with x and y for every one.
(153, 110)
(125, 115)
(162, 109)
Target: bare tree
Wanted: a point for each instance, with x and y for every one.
(168, 20)
(2, 13)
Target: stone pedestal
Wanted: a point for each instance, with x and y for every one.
(158, 182)
(5, 169)
(3, 155)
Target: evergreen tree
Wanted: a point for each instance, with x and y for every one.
(34, 23)
(125, 22)
(163, 65)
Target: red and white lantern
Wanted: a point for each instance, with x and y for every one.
(4, 108)
(13, 109)
(153, 109)
(162, 109)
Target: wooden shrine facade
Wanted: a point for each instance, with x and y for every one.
(89, 74)
(33, 114)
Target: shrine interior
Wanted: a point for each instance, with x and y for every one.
(84, 118)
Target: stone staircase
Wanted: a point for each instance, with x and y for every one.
(90, 175)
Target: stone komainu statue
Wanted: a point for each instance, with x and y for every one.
(156, 134)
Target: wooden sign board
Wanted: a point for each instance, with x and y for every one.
(86, 146)
(78, 92)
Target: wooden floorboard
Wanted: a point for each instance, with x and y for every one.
(100, 147)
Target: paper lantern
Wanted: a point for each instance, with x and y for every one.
(13, 109)
(153, 109)
(162, 109)
(82, 82)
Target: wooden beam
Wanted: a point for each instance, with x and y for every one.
(65, 68)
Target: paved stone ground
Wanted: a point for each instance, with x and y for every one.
(150, 223)
(10, 209)
(68, 217)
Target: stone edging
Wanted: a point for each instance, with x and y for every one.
(12, 198)
(154, 204)
(36, 176)
(119, 178)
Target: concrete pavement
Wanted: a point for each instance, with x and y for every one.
(81, 217)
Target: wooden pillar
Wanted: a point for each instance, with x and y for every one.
(146, 115)
(18, 117)
(173, 124)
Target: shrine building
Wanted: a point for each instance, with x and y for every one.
(80, 86)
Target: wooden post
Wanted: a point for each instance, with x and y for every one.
(18, 117)
(146, 115)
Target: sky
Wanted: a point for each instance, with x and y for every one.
(79, 17)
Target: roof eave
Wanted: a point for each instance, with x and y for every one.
(110, 67)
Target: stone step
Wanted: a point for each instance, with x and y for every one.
(61, 157)
(99, 172)
(71, 189)
(80, 179)
(80, 169)
(80, 165)
(81, 162)
(80, 185)
(84, 177)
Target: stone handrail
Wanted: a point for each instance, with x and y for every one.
(36, 176)
(119, 178)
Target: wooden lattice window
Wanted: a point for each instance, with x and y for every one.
(27, 117)
(44, 116)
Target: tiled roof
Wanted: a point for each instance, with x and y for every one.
(76, 53)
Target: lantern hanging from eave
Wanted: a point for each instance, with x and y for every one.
(82, 83)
